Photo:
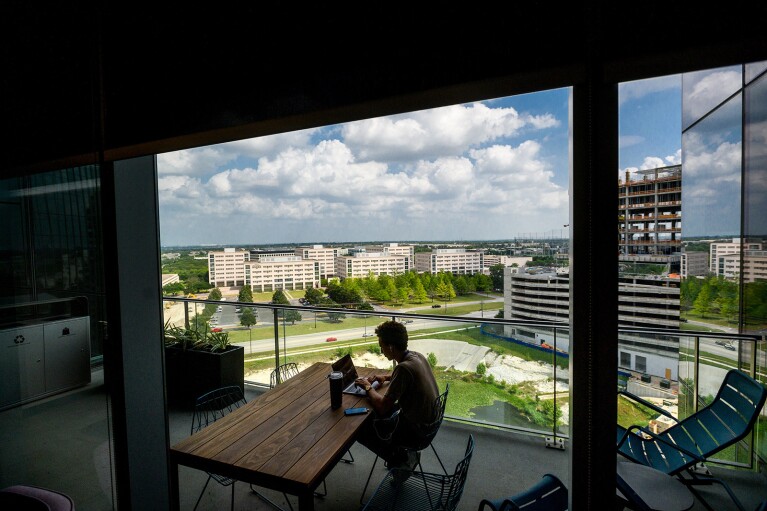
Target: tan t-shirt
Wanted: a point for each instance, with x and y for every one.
(414, 388)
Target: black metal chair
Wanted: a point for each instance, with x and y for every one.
(422, 490)
(210, 407)
(282, 373)
(387, 425)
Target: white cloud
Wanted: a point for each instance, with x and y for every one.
(707, 90)
(422, 175)
(428, 134)
(630, 91)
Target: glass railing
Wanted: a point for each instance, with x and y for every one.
(502, 373)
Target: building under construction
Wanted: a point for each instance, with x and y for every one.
(650, 216)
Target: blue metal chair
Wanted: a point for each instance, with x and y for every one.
(548, 494)
(422, 491)
(728, 419)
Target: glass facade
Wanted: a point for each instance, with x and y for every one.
(53, 297)
(724, 145)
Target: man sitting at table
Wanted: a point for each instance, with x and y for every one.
(411, 388)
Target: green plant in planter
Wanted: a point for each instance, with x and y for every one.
(217, 341)
(180, 337)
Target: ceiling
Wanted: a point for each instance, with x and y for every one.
(131, 82)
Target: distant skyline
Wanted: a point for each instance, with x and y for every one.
(489, 170)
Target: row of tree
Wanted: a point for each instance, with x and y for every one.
(718, 295)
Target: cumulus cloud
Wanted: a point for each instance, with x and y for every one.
(423, 174)
(428, 134)
(706, 89)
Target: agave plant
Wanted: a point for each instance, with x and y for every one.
(179, 336)
(218, 341)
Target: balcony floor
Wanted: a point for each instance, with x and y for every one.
(503, 463)
(71, 430)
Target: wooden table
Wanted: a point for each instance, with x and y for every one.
(288, 439)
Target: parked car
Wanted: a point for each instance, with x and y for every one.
(436, 306)
(331, 339)
(406, 321)
(217, 329)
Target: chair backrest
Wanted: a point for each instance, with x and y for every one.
(726, 420)
(282, 373)
(439, 413)
(548, 494)
(457, 481)
(215, 404)
(34, 498)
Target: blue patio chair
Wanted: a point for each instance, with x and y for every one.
(422, 491)
(548, 494)
(728, 419)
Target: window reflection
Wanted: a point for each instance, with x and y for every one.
(703, 90)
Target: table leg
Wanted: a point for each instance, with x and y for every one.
(306, 501)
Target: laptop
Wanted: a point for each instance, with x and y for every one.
(346, 366)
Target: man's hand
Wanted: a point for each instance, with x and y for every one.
(363, 382)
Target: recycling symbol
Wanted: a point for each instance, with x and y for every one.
(19, 339)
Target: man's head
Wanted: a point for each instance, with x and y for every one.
(392, 335)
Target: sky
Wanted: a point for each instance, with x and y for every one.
(490, 170)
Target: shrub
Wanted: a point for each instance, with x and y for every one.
(432, 358)
(374, 349)
(343, 351)
(481, 368)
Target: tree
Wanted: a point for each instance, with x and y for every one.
(703, 301)
(313, 296)
(482, 282)
(246, 295)
(496, 276)
(403, 293)
(461, 285)
(215, 294)
(335, 317)
(419, 293)
(279, 298)
(173, 289)
(293, 316)
(248, 317)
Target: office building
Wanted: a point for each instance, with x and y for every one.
(281, 272)
(693, 264)
(492, 260)
(407, 251)
(458, 261)
(226, 268)
(730, 250)
(326, 256)
(360, 263)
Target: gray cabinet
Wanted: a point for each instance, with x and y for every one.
(43, 356)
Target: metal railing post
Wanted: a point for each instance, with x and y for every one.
(276, 339)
